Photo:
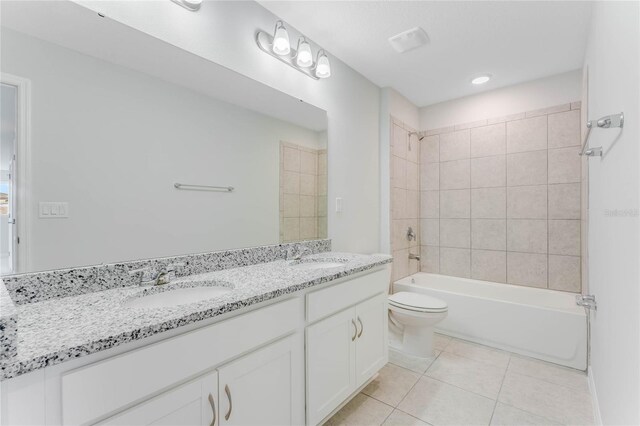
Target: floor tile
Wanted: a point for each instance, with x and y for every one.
(399, 418)
(506, 415)
(465, 373)
(361, 411)
(480, 353)
(438, 403)
(392, 384)
(559, 403)
(440, 341)
(549, 372)
(410, 362)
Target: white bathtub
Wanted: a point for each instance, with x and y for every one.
(539, 323)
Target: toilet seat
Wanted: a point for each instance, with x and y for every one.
(417, 302)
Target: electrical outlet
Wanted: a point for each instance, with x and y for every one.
(53, 210)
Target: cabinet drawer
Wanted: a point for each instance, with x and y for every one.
(327, 301)
(102, 388)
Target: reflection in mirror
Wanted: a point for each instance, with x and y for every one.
(107, 144)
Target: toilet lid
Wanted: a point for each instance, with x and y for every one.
(417, 302)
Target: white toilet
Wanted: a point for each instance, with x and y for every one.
(416, 315)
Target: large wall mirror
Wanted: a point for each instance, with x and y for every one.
(117, 146)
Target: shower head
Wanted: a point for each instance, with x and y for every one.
(417, 134)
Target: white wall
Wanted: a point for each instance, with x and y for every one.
(612, 61)
(554, 90)
(111, 142)
(392, 104)
(224, 32)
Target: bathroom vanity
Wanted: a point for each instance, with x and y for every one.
(288, 344)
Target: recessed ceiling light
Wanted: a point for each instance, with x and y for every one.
(409, 40)
(481, 79)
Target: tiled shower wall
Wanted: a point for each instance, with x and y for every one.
(500, 199)
(303, 193)
(405, 199)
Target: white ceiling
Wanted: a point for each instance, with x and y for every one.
(514, 41)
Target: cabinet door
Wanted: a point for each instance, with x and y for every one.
(260, 389)
(192, 404)
(371, 342)
(331, 373)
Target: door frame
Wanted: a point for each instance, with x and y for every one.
(23, 169)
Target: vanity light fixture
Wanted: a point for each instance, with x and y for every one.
(300, 57)
(281, 45)
(192, 5)
(481, 79)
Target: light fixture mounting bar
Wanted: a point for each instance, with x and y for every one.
(265, 43)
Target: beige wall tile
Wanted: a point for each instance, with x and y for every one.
(488, 265)
(455, 174)
(527, 269)
(564, 237)
(291, 207)
(430, 259)
(413, 149)
(505, 118)
(471, 125)
(527, 202)
(564, 201)
(564, 273)
(308, 162)
(398, 203)
(529, 134)
(399, 240)
(489, 234)
(399, 146)
(455, 233)
(291, 159)
(413, 204)
(413, 178)
(454, 146)
(430, 204)
(430, 232)
(400, 264)
(488, 172)
(564, 165)
(488, 203)
(549, 110)
(527, 168)
(430, 176)
(440, 130)
(576, 105)
(322, 185)
(399, 172)
(307, 184)
(308, 228)
(415, 225)
(321, 205)
(430, 150)
(322, 163)
(307, 206)
(455, 262)
(488, 140)
(322, 227)
(564, 129)
(527, 235)
(291, 228)
(455, 204)
(290, 182)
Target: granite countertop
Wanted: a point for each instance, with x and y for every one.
(53, 331)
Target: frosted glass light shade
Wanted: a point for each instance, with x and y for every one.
(304, 56)
(323, 67)
(281, 44)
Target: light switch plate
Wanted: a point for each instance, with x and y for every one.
(53, 210)
(338, 205)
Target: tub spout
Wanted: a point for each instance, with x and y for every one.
(414, 256)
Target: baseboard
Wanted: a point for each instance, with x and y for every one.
(594, 397)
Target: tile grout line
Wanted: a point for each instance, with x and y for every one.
(500, 390)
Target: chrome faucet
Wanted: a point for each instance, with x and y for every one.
(414, 256)
(293, 254)
(153, 277)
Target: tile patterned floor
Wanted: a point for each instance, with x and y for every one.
(470, 384)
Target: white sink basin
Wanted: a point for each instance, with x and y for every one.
(316, 265)
(178, 296)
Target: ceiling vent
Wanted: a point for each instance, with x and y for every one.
(409, 40)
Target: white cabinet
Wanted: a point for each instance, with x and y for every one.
(343, 352)
(194, 403)
(259, 388)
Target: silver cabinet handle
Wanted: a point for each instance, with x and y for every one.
(228, 392)
(361, 327)
(213, 409)
(355, 330)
